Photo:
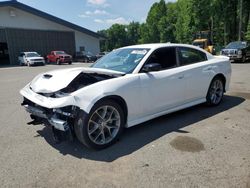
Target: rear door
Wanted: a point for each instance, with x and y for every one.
(198, 72)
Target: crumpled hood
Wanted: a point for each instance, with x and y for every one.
(56, 80)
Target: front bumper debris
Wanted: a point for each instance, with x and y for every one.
(61, 120)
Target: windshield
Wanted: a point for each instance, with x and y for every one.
(236, 45)
(122, 60)
(199, 44)
(59, 52)
(32, 54)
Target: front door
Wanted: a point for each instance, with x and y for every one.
(163, 89)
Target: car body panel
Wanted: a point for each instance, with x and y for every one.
(24, 59)
(59, 55)
(237, 52)
(147, 95)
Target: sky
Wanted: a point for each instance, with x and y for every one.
(95, 15)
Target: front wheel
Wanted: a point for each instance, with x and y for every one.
(102, 126)
(215, 92)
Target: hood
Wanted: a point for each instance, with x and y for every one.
(35, 58)
(58, 79)
(64, 55)
(226, 49)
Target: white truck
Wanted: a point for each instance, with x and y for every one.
(30, 58)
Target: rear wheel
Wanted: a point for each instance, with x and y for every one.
(102, 126)
(58, 62)
(20, 63)
(243, 59)
(215, 92)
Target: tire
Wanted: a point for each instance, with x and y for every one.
(243, 59)
(215, 92)
(102, 126)
(70, 62)
(58, 62)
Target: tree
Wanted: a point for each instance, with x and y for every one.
(248, 32)
(154, 22)
(184, 24)
(133, 33)
(180, 20)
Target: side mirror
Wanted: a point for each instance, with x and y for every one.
(151, 67)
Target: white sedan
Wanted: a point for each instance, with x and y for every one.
(126, 87)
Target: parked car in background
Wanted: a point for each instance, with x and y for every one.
(126, 87)
(101, 54)
(84, 57)
(237, 51)
(59, 57)
(30, 58)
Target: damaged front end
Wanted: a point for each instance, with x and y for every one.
(60, 119)
(57, 107)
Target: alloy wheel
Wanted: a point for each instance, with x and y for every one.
(104, 125)
(216, 91)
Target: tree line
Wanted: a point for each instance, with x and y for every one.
(227, 20)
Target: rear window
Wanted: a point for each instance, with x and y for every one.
(189, 56)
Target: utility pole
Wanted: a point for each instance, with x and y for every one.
(240, 21)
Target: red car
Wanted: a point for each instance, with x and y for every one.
(59, 57)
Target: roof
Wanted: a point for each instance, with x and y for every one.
(47, 16)
(160, 45)
(200, 40)
(154, 46)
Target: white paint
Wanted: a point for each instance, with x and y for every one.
(147, 95)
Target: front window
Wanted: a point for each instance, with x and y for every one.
(59, 52)
(236, 45)
(122, 60)
(32, 54)
(199, 44)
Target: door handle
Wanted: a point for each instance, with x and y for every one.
(181, 77)
(208, 68)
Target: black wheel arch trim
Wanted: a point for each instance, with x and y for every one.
(120, 101)
(219, 75)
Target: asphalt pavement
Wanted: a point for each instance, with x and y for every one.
(197, 147)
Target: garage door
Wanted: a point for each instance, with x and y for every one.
(40, 41)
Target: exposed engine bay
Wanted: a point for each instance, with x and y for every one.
(80, 81)
(62, 119)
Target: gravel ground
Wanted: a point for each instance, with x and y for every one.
(196, 147)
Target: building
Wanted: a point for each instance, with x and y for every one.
(23, 28)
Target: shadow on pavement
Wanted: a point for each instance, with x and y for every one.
(138, 136)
